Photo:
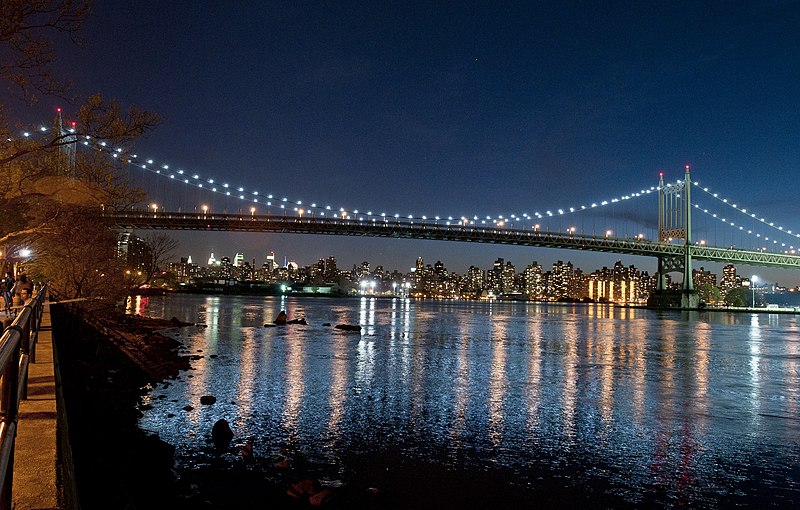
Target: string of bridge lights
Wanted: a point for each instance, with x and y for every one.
(744, 211)
(212, 185)
(739, 227)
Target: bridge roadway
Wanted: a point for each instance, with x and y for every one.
(440, 231)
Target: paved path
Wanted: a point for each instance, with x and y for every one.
(35, 456)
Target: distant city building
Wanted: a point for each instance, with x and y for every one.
(134, 251)
(729, 279)
(533, 281)
(559, 281)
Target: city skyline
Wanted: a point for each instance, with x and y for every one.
(240, 259)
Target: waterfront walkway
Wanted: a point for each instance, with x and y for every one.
(35, 457)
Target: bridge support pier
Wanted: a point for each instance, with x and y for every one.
(674, 299)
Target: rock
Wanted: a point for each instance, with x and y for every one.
(326, 324)
(196, 357)
(280, 319)
(247, 451)
(221, 434)
(320, 498)
(170, 415)
(303, 489)
(297, 321)
(213, 356)
(188, 408)
(207, 400)
(177, 322)
(347, 327)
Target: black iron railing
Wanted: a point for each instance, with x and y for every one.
(17, 349)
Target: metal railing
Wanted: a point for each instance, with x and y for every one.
(17, 349)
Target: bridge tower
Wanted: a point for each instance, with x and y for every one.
(675, 222)
(66, 147)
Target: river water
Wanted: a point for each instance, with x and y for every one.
(648, 408)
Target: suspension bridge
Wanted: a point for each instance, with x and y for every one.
(720, 231)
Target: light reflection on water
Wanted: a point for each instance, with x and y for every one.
(687, 406)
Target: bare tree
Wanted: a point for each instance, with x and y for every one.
(161, 248)
(26, 30)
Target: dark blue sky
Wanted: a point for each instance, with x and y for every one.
(463, 108)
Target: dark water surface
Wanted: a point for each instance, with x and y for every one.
(666, 409)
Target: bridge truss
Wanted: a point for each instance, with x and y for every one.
(671, 253)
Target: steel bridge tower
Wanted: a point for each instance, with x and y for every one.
(675, 222)
(67, 141)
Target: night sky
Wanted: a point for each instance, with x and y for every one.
(464, 108)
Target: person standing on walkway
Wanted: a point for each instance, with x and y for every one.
(23, 288)
(7, 284)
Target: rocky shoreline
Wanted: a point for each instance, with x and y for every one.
(107, 367)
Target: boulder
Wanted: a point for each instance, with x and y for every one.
(303, 489)
(347, 327)
(247, 451)
(221, 434)
(207, 400)
(280, 320)
(320, 498)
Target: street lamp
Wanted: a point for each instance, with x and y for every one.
(155, 208)
(205, 210)
(753, 288)
(608, 233)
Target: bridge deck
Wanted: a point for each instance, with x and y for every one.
(408, 229)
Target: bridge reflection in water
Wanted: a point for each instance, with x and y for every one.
(643, 404)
